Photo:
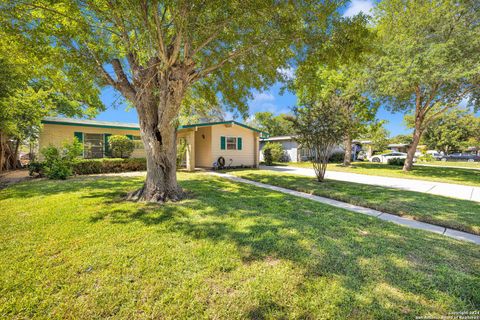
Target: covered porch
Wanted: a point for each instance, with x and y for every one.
(204, 144)
(186, 139)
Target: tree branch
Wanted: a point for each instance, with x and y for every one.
(232, 55)
(122, 81)
(209, 39)
(159, 32)
(82, 22)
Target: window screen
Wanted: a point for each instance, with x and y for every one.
(93, 145)
(231, 143)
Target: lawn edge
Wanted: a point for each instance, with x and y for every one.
(463, 228)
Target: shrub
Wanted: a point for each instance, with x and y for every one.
(276, 151)
(267, 157)
(336, 157)
(59, 161)
(96, 166)
(120, 146)
(36, 167)
(396, 161)
(426, 158)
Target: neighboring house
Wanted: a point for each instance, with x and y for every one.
(293, 152)
(399, 147)
(237, 143)
(403, 147)
(289, 145)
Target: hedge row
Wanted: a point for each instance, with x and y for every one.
(396, 162)
(96, 166)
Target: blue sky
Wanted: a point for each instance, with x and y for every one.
(270, 100)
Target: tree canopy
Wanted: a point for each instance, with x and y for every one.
(281, 125)
(427, 58)
(158, 54)
(31, 89)
(453, 131)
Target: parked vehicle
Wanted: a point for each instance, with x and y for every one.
(434, 153)
(461, 157)
(383, 158)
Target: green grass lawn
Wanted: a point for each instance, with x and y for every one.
(73, 249)
(452, 213)
(473, 165)
(441, 174)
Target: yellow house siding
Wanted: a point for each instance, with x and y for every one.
(203, 150)
(246, 156)
(56, 135)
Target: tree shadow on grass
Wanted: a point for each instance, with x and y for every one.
(408, 269)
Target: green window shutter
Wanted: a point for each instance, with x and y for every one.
(239, 143)
(223, 143)
(129, 136)
(106, 145)
(79, 136)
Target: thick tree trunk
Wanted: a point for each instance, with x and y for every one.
(16, 161)
(348, 150)
(2, 151)
(157, 114)
(161, 182)
(417, 134)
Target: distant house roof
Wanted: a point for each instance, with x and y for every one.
(130, 126)
(362, 141)
(278, 138)
(398, 145)
(286, 138)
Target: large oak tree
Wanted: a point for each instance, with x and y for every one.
(429, 59)
(155, 53)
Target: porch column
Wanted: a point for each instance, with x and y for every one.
(369, 150)
(190, 140)
(256, 149)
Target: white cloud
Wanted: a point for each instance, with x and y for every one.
(288, 72)
(357, 6)
(263, 96)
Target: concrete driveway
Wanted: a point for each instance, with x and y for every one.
(437, 188)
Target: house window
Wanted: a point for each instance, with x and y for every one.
(93, 145)
(138, 143)
(231, 143)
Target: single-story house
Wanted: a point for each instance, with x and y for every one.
(293, 152)
(237, 143)
(399, 147)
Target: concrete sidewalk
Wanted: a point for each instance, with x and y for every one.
(437, 188)
(459, 235)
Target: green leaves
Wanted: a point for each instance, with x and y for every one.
(281, 125)
(229, 47)
(429, 45)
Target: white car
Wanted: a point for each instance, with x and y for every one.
(383, 158)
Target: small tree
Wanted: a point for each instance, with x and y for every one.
(267, 156)
(120, 146)
(276, 150)
(320, 126)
